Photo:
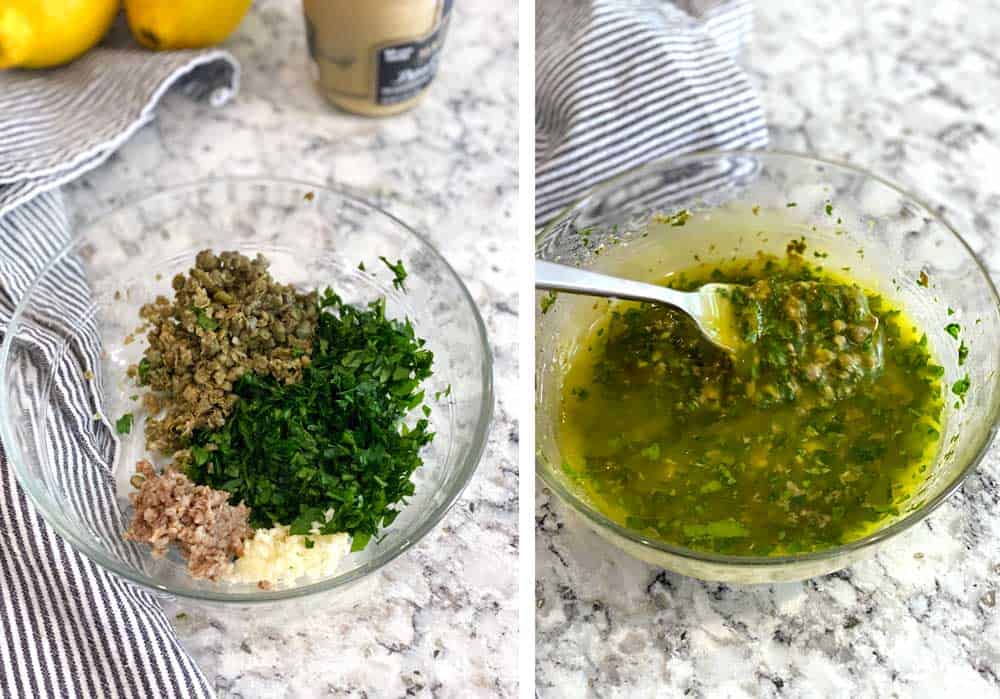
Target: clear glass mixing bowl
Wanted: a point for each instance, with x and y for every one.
(315, 237)
(886, 236)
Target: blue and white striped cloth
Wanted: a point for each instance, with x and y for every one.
(68, 628)
(620, 83)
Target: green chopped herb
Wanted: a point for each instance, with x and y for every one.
(829, 209)
(791, 204)
(361, 266)
(200, 455)
(570, 471)
(651, 452)
(547, 301)
(337, 439)
(309, 543)
(953, 329)
(711, 487)
(360, 540)
(961, 387)
(399, 271)
(676, 219)
(796, 247)
(720, 529)
(143, 371)
(205, 321)
(951, 311)
(963, 353)
(124, 424)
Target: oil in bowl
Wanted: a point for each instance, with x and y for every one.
(805, 443)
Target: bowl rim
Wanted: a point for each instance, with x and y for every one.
(580, 506)
(48, 509)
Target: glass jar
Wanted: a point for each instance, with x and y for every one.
(375, 57)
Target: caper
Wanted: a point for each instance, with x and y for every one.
(206, 260)
(227, 316)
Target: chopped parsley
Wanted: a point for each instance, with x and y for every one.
(961, 387)
(399, 271)
(143, 371)
(963, 353)
(546, 303)
(676, 219)
(205, 321)
(953, 329)
(336, 439)
(719, 529)
(652, 452)
(124, 424)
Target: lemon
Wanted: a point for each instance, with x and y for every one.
(46, 33)
(183, 24)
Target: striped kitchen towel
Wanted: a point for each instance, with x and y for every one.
(620, 83)
(69, 628)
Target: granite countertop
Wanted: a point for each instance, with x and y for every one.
(442, 619)
(912, 93)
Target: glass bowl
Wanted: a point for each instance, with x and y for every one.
(741, 202)
(314, 237)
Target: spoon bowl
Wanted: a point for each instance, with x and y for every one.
(710, 307)
(728, 316)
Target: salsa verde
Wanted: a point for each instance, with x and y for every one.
(816, 434)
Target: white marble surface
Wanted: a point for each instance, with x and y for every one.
(911, 91)
(441, 620)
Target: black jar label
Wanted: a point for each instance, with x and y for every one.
(404, 70)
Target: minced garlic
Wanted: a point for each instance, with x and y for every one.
(274, 557)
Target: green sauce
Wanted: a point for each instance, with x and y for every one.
(824, 428)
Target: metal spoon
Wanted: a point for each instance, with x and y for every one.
(709, 307)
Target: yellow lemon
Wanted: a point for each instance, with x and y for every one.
(46, 33)
(183, 24)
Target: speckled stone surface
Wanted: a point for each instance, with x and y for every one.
(442, 620)
(913, 93)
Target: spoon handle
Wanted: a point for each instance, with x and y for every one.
(551, 276)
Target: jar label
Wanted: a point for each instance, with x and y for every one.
(404, 70)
